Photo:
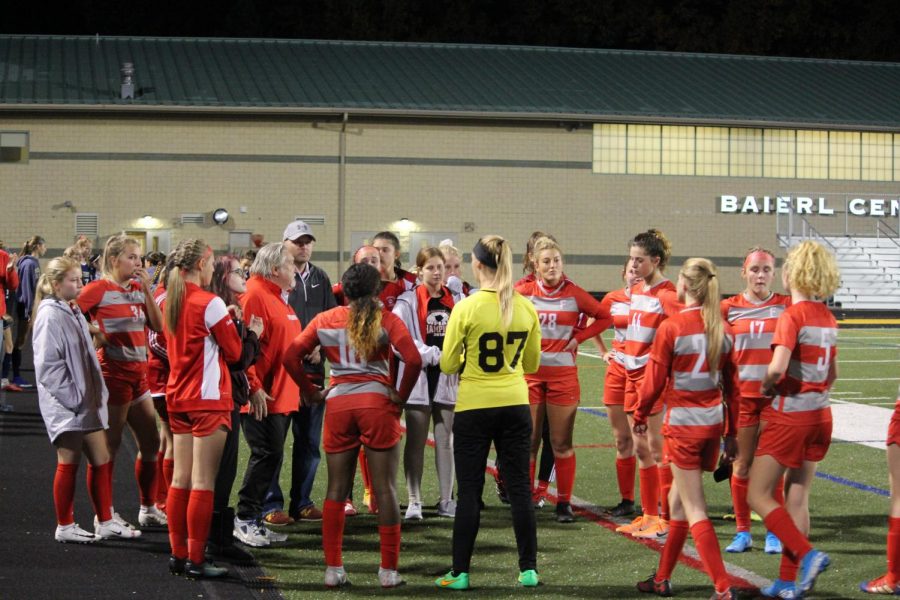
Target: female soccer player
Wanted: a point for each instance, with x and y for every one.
(618, 303)
(201, 339)
(752, 315)
(158, 377)
(889, 583)
(652, 301)
(692, 350)
(363, 409)
(72, 400)
(425, 311)
(499, 332)
(797, 433)
(554, 392)
(120, 307)
(395, 280)
(453, 272)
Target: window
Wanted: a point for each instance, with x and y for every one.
(712, 151)
(644, 142)
(677, 150)
(812, 154)
(13, 147)
(610, 144)
(780, 153)
(843, 155)
(745, 152)
(876, 156)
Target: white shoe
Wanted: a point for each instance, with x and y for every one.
(389, 578)
(115, 528)
(447, 508)
(336, 577)
(251, 533)
(414, 511)
(274, 537)
(150, 516)
(75, 534)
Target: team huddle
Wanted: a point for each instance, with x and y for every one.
(204, 349)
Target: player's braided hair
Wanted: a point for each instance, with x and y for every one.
(184, 260)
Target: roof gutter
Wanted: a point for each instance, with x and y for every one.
(340, 113)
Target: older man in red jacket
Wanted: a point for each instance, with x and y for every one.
(273, 394)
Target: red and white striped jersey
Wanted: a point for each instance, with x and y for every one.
(648, 309)
(158, 357)
(199, 349)
(753, 325)
(618, 304)
(694, 398)
(559, 311)
(809, 331)
(119, 313)
(355, 382)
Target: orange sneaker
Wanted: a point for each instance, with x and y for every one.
(639, 524)
(882, 585)
(657, 531)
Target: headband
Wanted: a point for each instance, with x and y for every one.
(484, 255)
(758, 255)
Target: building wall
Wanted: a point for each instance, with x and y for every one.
(498, 178)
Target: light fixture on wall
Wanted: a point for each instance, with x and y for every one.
(404, 225)
(220, 216)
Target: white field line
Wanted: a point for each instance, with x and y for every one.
(862, 424)
(883, 360)
(840, 379)
(853, 400)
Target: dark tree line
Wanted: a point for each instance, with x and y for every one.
(864, 30)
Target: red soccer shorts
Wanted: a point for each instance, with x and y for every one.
(751, 409)
(692, 453)
(376, 428)
(631, 397)
(893, 436)
(791, 445)
(557, 392)
(614, 385)
(199, 423)
(126, 390)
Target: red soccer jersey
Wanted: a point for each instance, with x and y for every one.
(390, 291)
(119, 313)
(199, 349)
(618, 304)
(753, 325)
(559, 311)
(648, 309)
(158, 358)
(809, 331)
(694, 398)
(355, 383)
(9, 280)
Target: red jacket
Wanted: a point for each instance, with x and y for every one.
(9, 280)
(280, 326)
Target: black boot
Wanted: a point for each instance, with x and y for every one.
(221, 540)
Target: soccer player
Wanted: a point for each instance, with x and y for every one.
(363, 409)
(158, 378)
(798, 421)
(653, 299)
(425, 311)
(72, 400)
(394, 280)
(554, 391)
(752, 315)
(120, 307)
(498, 331)
(618, 304)
(692, 350)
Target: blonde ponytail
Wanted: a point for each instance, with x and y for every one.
(702, 283)
(499, 250)
(184, 259)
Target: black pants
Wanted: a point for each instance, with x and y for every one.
(547, 460)
(228, 465)
(266, 441)
(509, 428)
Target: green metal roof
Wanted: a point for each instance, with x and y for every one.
(374, 78)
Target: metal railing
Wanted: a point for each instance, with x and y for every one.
(840, 221)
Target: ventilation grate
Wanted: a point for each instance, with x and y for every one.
(87, 224)
(193, 218)
(311, 219)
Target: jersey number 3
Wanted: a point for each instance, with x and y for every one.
(490, 350)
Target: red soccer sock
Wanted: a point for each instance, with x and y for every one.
(565, 477)
(668, 558)
(778, 494)
(710, 555)
(893, 548)
(176, 511)
(390, 545)
(145, 474)
(64, 493)
(541, 488)
(162, 487)
(665, 484)
(532, 465)
(199, 518)
(788, 569)
(782, 525)
(333, 533)
(649, 491)
(739, 499)
(100, 490)
(168, 469)
(625, 471)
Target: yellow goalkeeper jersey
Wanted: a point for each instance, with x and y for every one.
(491, 359)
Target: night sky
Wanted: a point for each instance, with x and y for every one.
(863, 30)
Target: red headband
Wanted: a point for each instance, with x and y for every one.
(758, 255)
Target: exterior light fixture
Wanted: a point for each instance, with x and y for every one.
(220, 216)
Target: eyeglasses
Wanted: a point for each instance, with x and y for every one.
(237, 271)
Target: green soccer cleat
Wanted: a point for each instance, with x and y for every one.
(529, 578)
(460, 581)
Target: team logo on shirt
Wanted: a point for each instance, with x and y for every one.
(436, 323)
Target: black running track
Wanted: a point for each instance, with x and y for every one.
(34, 565)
